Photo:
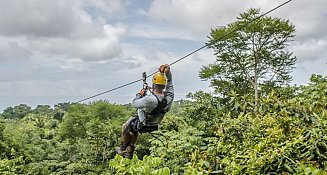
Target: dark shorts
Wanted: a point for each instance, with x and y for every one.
(134, 125)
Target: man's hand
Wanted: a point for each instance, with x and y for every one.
(142, 92)
(164, 68)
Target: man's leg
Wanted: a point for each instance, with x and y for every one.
(125, 138)
(128, 139)
(131, 147)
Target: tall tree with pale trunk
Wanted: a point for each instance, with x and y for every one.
(251, 55)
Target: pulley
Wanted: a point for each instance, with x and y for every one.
(145, 84)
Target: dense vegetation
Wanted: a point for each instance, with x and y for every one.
(250, 125)
(205, 134)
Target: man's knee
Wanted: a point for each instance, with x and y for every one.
(124, 126)
(130, 126)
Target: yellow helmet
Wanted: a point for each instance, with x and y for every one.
(159, 78)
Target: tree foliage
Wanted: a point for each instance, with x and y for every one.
(251, 54)
(16, 112)
(205, 134)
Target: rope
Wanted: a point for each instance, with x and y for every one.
(109, 90)
(191, 53)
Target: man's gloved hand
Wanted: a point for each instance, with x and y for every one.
(164, 68)
(142, 92)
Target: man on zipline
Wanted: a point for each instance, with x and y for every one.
(151, 110)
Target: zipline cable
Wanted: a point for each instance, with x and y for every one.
(191, 53)
(109, 90)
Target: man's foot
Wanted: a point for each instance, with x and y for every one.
(120, 151)
(127, 153)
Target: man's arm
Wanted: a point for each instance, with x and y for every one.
(139, 102)
(169, 93)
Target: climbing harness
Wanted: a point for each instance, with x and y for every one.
(160, 109)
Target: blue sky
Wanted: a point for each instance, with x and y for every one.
(54, 51)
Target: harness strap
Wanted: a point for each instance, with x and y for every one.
(160, 108)
(135, 126)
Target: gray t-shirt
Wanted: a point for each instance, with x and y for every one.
(146, 104)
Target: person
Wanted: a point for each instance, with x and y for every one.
(151, 109)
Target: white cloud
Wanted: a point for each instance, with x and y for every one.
(36, 18)
(196, 16)
(310, 50)
(306, 68)
(103, 8)
(53, 29)
(308, 17)
(42, 88)
(98, 48)
(49, 18)
(150, 31)
(73, 63)
(199, 16)
(13, 50)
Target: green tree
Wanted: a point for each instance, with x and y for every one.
(2, 145)
(43, 109)
(60, 110)
(105, 111)
(8, 112)
(2, 127)
(17, 112)
(20, 111)
(73, 125)
(250, 55)
(63, 106)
